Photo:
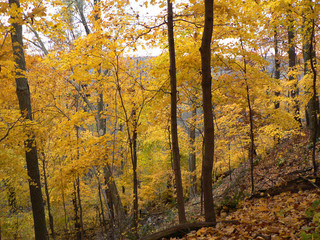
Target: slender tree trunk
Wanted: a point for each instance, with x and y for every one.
(47, 194)
(23, 93)
(12, 196)
(252, 150)
(76, 211)
(64, 204)
(207, 162)
(308, 55)
(110, 205)
(80, 208)
(80, 230)
(103, 223)
(133, 147)
(229, 162)
(192, 153)
(252, 145)
(292, 65)
(174, 128)
(276, 66)
(314, 99)
(276, 75)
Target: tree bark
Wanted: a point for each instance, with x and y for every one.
(76, 211)
(251, 150)
(174, 128)
(80, 209)
(207, 162)
(192, 153)
(23, 93)
(115, 197)
(80, 231)
(103, 220)
(308, 55)
(133, 148)
(46, 188)
(276, 66)
(292, 64)
(314, 99)
(251, 134)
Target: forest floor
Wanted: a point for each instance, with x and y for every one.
(286, 203)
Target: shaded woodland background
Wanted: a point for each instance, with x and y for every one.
(100, 121)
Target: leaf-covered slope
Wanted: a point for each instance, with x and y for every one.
(285, 216)
(283, 209)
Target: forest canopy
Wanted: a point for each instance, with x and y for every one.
(113, 111)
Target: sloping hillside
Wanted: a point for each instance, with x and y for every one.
(286, 203)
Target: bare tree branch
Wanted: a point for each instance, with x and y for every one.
(9, 127)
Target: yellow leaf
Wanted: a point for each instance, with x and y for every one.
(229, 230)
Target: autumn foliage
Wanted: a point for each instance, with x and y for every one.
(99, 82)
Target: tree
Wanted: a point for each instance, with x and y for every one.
(23, 94)
(314, 102)
(292, 64)
(207, 162)
(276, 64)
(309, 57)
(174, 130)
(250, 112)
(192, 153)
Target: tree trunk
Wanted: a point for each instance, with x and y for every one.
(133, 147)
(314, 99)
(103, 220)
(47, 194)
(308, 55)
(12, 195)
(252, 148)
(192, 153)
(174, 129)
(80, 231)
(251, 135)
(276, 66)
(292, 65)
(80, 209)
(76, 211)
(64, 204)
(207, 162)
(23, 93)
(110, 205)
(115, 197)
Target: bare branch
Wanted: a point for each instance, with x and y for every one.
(9, 127)
(42, 46)
(4, 40)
